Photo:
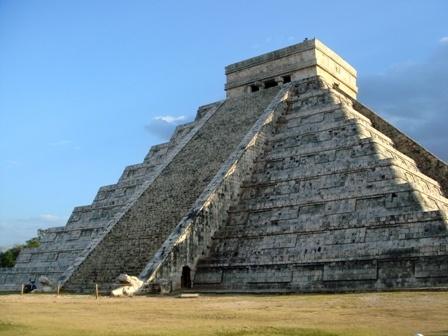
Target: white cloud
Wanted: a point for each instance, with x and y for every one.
(60, 143)
(444, 40)
(170, 119)
(12, 163)
(163, 126)
(63, 143)
(50, 217)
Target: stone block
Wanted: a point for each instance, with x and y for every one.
(350, 270)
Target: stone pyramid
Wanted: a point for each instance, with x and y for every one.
(288, 185)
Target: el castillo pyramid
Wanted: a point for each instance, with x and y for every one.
(287, 185)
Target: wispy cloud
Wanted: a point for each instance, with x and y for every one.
(444, 40)
(414, 97)
(60, 143)
(163, 126)
(170, 119)
(12, 163)
(63, 143)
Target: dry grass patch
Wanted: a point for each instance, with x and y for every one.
(371, 314)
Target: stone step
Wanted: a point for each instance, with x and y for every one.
(181, 131)
(387, 171)
(93, 215)
(292, 114)
(315, 191)
(115, 193)
(96, 207)
(338, 155)
(323, 131)
(285, 133)
(47, 255)
(305, 172)
(312, 100)
(312, 248)
(367, 274)
(137, 171)
(270, 224)
(400, 192)
(324, 180)
(330, 112)
(204, 109)
(21, 275)
(349, 154)
(157, 153)
(311, 149)
(61, 235)
(12, 287)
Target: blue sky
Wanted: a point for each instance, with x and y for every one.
(86, 87)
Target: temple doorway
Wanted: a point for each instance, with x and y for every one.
(185, 280)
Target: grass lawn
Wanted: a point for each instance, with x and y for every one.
(399, 313)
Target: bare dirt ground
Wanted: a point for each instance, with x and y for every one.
(402, 313)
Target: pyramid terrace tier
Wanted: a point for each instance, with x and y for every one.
(330, 205)
(395, 273)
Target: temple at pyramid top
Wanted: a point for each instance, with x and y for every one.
(307, 59)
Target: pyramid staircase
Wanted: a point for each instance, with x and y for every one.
(331, 205)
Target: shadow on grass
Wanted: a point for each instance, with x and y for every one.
(9, 293)
(7, 327)
(276, 332)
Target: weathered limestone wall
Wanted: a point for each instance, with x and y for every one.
(307, 59)
(191, 239)
(427, 162)
(131, 242)
(331, 206)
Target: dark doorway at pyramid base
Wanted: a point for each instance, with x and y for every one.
(185, 279)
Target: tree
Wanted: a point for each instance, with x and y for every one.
(32, 243)
(8, 258)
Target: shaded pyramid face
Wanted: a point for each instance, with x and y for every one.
(330, 205)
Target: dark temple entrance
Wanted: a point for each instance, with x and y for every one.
(185, 280)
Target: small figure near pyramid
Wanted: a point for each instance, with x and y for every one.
(288, 185)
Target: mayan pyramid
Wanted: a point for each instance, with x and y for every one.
(288, 185)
